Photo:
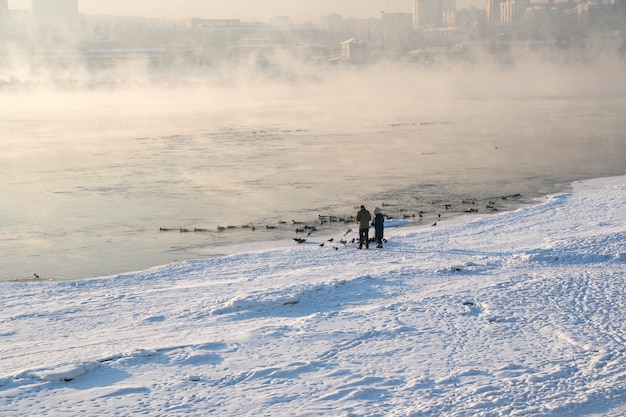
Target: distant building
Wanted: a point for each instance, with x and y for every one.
(332, 22)
(425, 13)
(607, 15)
(512, 11)
(448, 12)
(214, 24)
(493, 10)
(63, 10)
(354, 50)
(433, 13)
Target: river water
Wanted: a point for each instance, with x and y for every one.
(90, 175)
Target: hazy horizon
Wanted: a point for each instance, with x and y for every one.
(297, 10)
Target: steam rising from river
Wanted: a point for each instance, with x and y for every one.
(95, 161)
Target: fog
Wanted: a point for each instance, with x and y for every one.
(477, 99)
(479, 96)
(385, 91)
(531, 118)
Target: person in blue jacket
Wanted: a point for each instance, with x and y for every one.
(379, 227)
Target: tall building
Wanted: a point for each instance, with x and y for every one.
(493, 10)
(448, 12)
(512, 11)
(433, 13)
(65, 10)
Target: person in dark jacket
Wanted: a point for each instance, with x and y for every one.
(379, 227)
(363, 218)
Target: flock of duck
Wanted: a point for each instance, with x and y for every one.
(300, 227)
(306, 229)
(323, 221)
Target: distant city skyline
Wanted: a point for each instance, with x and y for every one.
(250, 10)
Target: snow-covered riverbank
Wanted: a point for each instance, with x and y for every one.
(519, 313)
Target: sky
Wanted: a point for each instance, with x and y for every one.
(249, 10)
(519, 313)
(241, 9)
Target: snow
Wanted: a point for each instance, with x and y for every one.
(518, 313)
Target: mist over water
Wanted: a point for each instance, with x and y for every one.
(91, 170)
